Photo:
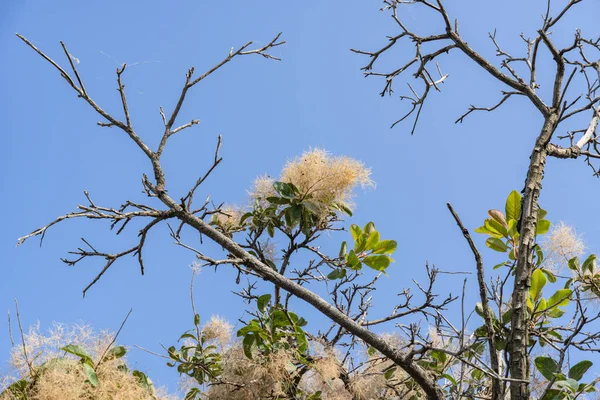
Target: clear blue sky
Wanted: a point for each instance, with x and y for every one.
(267, 113)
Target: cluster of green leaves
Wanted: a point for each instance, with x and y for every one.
(196, 358)
(273, 329)
(503, 232)
(504, 237)
(290, 209)
(568, 386)
(21, 389)
(540, 308)
(586, 274)
(368, 249)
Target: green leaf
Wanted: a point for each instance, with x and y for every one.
(247, 345)
(439, 356)
(560, 298)
(293, 215)
(496, 244)
(486, 231)
(547, 367)
(539, 255)
(361, 243)
(377, 262)
(552, 394)
(343, 249)
(542, 306)
(280, 319)
(373, 239)
(192, 394)
(77, 350)
(337, 273)
(252, 326)
(538, 281)
(369, 227)
(513, 206)
(497, 227)
(589, 264)
(353, 261)
(284, 189)
(450, 378)
(502, 264)
(576, 372)
(542, 227)
(479, 311)
(477, 374)
(116, 352)
(389, 373)
(385, 247)
(262, 302)
(196, 319)
(574, 264)
(298, 321)
(301, 339)
(512, 228)
(551, 277)
(481, 331)
(355, 231)
(189, 335)
(556, 313)
(278, 200)
(346, 209)
(542, 213)
(555, 334)
(342, 207)
(144, 381)
(92, 377)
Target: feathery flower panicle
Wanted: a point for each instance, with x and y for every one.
(217, 329)
(560, 245)
(328, 365)
(262, 188)
(228, 218)
(67, 379)
(326, 179)
(258, 378)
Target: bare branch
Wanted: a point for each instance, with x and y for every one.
(114, 339)
(32, 372)
(488, 109)
(498, 389)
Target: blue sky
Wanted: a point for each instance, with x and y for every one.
(267, 113)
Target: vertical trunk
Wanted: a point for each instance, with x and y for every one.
(519, 358)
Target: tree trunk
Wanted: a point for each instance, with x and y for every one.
(518, 343)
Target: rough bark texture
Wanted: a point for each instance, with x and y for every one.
(519, 357)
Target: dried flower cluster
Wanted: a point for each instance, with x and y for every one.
(228, 218)
(246, 379)
(323, 177)
(217, 329)
(65, 378)
(560, 245)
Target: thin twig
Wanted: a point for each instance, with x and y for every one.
(114, 339)
(32, 373)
